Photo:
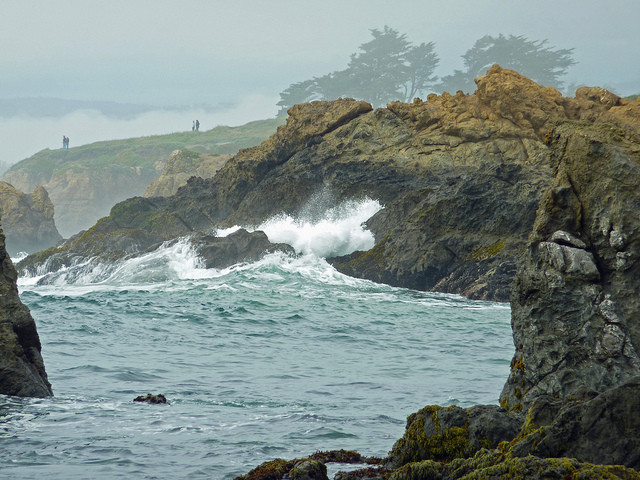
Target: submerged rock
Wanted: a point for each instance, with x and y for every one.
(149, 398)
(22, 370)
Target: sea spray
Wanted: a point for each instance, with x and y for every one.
(340, 231)
(318, 233)
(322, 230)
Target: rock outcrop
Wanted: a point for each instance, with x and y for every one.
(576, 298)
(22, 370)
(84, 182)
(27, 220)
(460, 178)
(182, 165)
(568, 408)
(238, 247)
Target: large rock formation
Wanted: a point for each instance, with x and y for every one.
(21, 367)
(460, 178)
(572, 396)
(27, 220)
(576, 299)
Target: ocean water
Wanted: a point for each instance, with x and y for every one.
(278, 358)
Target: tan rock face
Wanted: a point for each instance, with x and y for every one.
(27, 219)
(182, 165)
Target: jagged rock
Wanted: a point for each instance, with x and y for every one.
(575, 300)
(444, 433)
(22, 370)
(149, 398)
(27, 220)
(182, 165)
(239, 246)
(602, 429)
(460, 178)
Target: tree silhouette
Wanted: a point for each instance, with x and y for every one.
(385, 69)
(534, 59)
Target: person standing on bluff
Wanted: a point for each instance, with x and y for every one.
(197, 125)
(65, 142)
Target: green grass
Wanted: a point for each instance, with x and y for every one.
(146, 151)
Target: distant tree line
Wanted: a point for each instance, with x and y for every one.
(389, 68)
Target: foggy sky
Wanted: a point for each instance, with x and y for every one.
(167, 52)
(245, 52)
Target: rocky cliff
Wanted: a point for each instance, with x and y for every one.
(460, 178)
(27, 220)
(22, 370)
(575, 301)
(85, 182)
(569, 406)
(182, 165)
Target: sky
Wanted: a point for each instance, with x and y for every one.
(235, 54)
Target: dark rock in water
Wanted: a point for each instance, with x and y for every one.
(308, 469)
(149, 398)
(239, 246)
(22, 370)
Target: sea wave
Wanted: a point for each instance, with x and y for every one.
(338, 230)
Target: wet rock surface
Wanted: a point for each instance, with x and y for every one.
(150, 398)
(240, 246)
(568, 408)
(22, 370)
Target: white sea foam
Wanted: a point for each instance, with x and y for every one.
(339, 231)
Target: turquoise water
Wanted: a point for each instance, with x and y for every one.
(279, 358)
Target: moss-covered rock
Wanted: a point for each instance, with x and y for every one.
(444, 433)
